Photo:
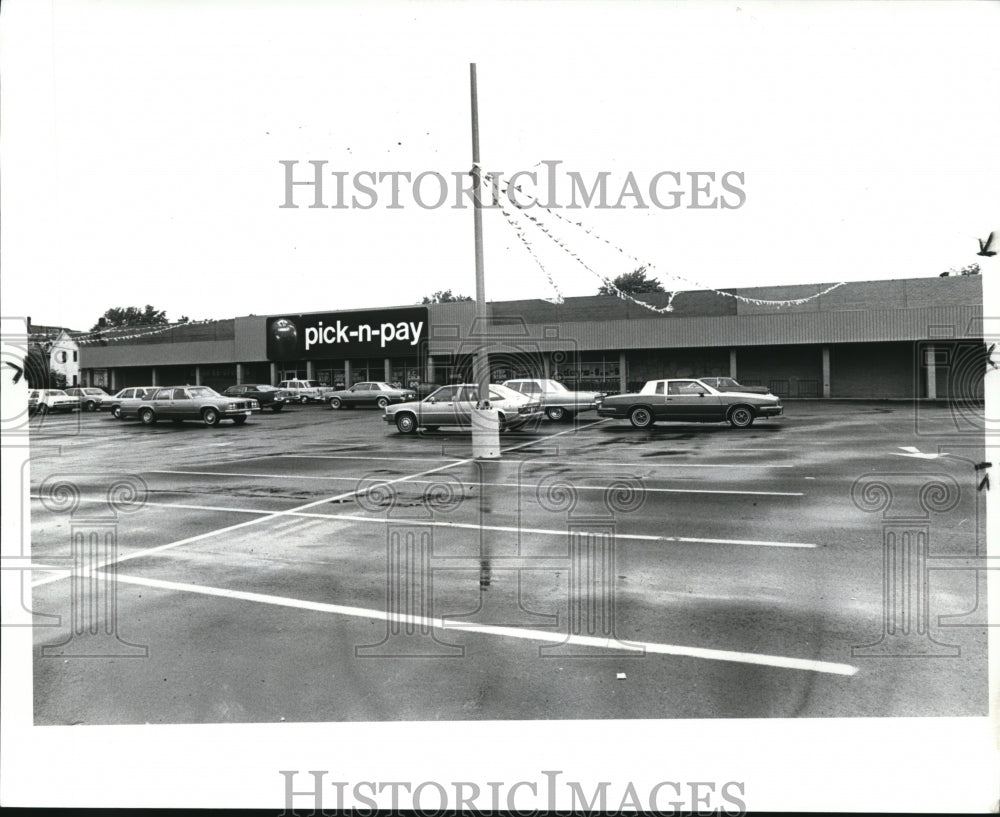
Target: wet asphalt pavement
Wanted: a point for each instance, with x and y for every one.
(314, 565)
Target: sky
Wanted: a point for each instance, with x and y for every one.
(143, 144)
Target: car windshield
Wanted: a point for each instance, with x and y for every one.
(57, 393)
(202, 391)
(723, 383)
(444, 393)
(554, 385)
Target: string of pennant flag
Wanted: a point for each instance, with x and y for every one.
(114, 334)
(576, 257)
(590, 231)
(531, 251)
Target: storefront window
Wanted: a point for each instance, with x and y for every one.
(359, 371)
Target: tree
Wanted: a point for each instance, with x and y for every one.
(632, 283)
(972, 269)
(36, 367)
(131, 316)
(444, 297)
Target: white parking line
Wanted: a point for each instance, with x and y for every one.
(362, 457)
(548, 462)
(269, 515)
(475, 484)
(643, 464)
(777, 661)
(377, 520)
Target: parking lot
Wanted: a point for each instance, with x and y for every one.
(315, 565)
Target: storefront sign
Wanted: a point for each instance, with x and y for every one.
(346, 335)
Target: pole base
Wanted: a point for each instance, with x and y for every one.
(485, 433)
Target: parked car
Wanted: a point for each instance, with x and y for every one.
(180, 403)
(374, 394)
(90, 398)
(729, 384)
(267, 395)
(452, 406)
(42, 401)
(558, 401)
(305, 391)
(131, 395)
(689, 400)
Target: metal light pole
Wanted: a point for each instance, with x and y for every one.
(486, 424)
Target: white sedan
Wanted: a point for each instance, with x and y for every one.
(558, 401)
(43, 401)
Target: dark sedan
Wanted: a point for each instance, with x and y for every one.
(268, 396)
(373, 394)
(689, 401)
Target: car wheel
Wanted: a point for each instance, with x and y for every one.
(210, 416)
(90, 405)
(556, 413)
(741, 417)
(382, 402)
(641, 417)
(503, 422)
(116, 412)
(239, 420)
(406, 423)
(335, 402)
(147, 417)
(276, 407)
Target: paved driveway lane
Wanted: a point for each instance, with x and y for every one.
(261, 622)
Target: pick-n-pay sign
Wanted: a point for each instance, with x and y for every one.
(387, 333)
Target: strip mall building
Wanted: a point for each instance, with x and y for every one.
(902, 338)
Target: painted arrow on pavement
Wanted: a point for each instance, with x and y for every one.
(910, 451)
